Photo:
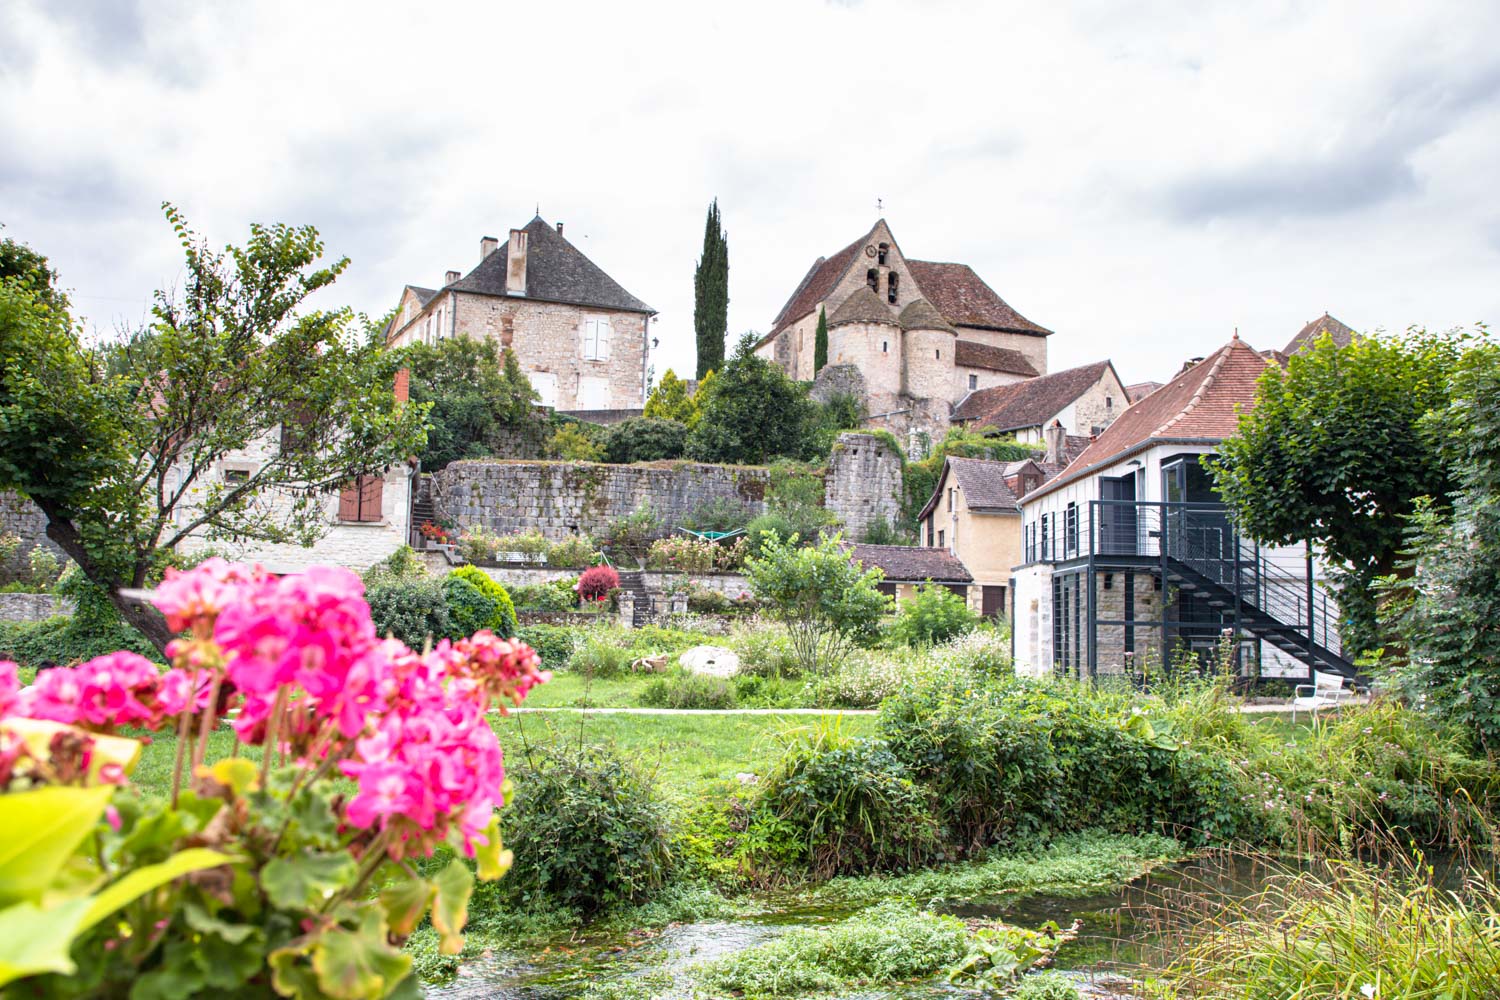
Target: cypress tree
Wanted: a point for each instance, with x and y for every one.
(820, 342)
(711, 294)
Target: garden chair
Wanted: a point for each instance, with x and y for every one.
(1326, 691)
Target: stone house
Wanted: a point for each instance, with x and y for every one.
(921, 334)
(1085, 400)
(975, 515)
(907, 567)
(580, 337)
(1129, 557)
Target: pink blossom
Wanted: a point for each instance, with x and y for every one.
(10, 686)
(203, 591)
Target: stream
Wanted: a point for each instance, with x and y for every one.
(1120, 928)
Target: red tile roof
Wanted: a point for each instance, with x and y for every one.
(1031, 403)
(1138, 391)
(817, 284)
(911, 564)
(1342, 335)
(1203, 403)
(968, 354)
(982, 482)
(965, 300)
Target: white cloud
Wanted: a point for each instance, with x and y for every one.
(1141, 178)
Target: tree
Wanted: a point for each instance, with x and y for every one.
(670, 400)
(820, 342)
(711, 294)
(124, 458)
(481, 404)
(827, 602)
(753, 413)
(1446, 609)
(642, 439)
(1334, 453)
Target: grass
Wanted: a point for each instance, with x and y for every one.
(570, 689)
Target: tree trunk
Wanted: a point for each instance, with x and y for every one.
(139, 615)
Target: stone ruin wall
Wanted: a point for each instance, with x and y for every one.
(559, 499)
(22, 518)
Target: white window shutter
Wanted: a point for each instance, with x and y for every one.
(604, 332)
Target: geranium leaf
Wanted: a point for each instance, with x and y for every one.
(353, 965)
(494, 861)
(405, 902)
(143, 880)
(450, 907)
(42, 829)
(290, 976)
(307, 878)
(33, 940)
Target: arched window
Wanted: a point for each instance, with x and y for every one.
(890, 288)
(872, 278)
(885, 248)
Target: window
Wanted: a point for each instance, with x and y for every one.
(885, 248)
(593, 393)
(973, 382)
(596, 333)
(1046, 535)
(1109, 402)
(1071, 524)
(360, 500)
(950, 498)
(236, 477)
(295, 433)
(941, 537)
(937, 353)
(872, 278)
(885, 346)
(890, 287)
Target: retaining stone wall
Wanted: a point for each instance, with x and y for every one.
(32, 607)
(22, 518)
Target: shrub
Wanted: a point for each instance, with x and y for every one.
(94, 629)
(468, 607)
(595, 583)
(682, 554)
(411, 610)
(598, 657)
(558, 595)
(501, 618)
(932, 615)
(719, 514)
(478, 544)
(865, 678)
(984, 651)
(1046, 986)
(403, 564)
(632, 535)
(589, 831)
(765, 652)
(848, 805)
(577, 442)
(883, 532)
(575, 550)
(827, 603)
(690, 691)
(642, 439)
(555, 644)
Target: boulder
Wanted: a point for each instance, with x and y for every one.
(715, 661)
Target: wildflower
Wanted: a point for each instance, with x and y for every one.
(1367, 991)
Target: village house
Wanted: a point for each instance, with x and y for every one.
(1129, 557)
(910, 337)
(907, 567)
(1085, 400)
(580, 337)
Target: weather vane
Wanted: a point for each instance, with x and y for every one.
(879, 205)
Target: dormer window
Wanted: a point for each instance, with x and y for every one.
(872, 278)
(890, 287)
(885, 248)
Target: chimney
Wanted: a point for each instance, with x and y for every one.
(1057, 438)
(487, 246)
(450, 277)
(515, 275)
(403, 385)
(559, 229)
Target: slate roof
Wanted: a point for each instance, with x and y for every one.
(1031, 403)
(965, 300)
(1138, 391)
(1342, 335)
(1203, 403)
(982, 483)
(911, 564)
(959, 295)
(920, 315)
(556, 271)
(969, 354)
(424, 295)
(864, 306)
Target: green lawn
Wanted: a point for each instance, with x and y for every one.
(686, 751)
(567, 689)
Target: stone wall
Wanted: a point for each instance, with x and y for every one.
(838, 380)
(32, 607)
(563, 498)
(864, 483)
(22, 518)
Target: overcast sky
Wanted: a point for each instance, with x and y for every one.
(1141, 178)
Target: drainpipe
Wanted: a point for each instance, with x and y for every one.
(645, 357)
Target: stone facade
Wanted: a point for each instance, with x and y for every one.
(32, 607)
(864, 483)
(23, 519)
(838, 380)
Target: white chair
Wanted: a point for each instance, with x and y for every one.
(1326, 691)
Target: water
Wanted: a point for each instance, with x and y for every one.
(1119, 931)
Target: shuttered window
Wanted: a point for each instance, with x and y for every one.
(361, 500)
(596, 334)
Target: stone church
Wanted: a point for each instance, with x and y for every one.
(912, 337)
(579, 336)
